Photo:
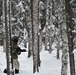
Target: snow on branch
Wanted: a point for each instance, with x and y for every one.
(19, 7)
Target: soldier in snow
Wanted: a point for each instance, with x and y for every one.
(16, 50)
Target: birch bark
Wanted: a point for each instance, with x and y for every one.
(35, 36)
(64, 45)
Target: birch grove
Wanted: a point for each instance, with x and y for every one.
(40, 23)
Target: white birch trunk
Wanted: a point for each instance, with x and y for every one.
(7, 28)
(29, 23)
(4, 35)
(50, 27)
(35, 36)
(47, 24)
(64, 47)
(64, 51)
(58, 42)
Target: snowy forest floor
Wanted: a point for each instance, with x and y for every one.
(50, 65)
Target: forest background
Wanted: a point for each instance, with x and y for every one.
(38, 23)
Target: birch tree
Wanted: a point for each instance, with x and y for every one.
(1, 26)
(28, 25)
(42, 18)
(47, 26)
(64, 44)
(69, 16)
(7, 26)
(4, 35)
(35, 35)
(50, 26)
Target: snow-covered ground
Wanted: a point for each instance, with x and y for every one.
(49, 64)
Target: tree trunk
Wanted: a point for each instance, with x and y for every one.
(58, 46)
(64, 51)
(50, 26)
(9, 57)
(47, 26)
(4, 34)
(35, 36)
(29, 23)
(69, 16)
(7, 41)
(64, 45)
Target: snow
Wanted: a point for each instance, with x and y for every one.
(49, 64)
(19, 6)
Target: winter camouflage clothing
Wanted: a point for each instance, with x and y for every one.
(14, 53)
(14, 47)
(16, 50)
